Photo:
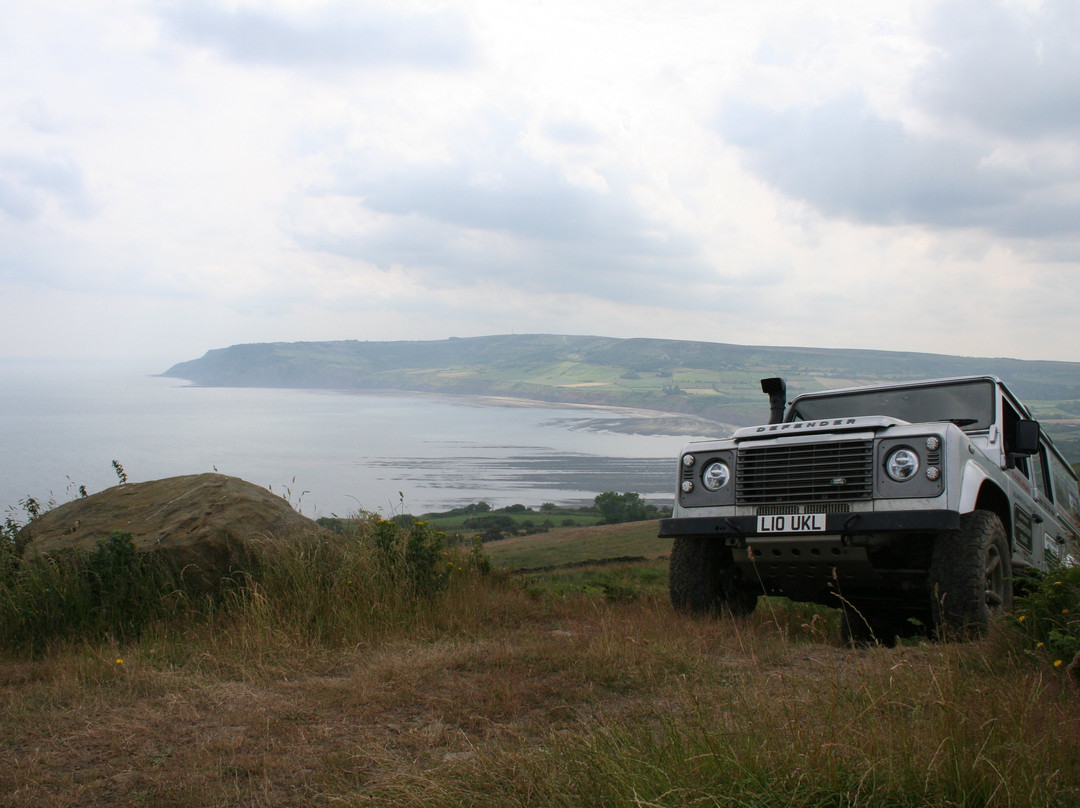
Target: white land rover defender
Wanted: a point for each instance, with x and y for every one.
(922, 500)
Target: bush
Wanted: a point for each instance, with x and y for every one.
(1048, 616)
(113, 591)
(493, 527)
(615, 508)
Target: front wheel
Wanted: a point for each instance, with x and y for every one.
(970, 576)
(701, 578)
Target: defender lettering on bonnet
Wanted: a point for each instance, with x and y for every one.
(896, 503)
(805, 425)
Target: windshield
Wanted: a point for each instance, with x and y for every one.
(969, 405)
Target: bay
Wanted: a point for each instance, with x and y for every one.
(328, 453)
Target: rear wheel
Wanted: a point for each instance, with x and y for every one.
(970, 576)
(701, 578)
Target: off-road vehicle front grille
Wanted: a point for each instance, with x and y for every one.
(805, 472)
(787, 510)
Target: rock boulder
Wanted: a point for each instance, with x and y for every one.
(203, 523)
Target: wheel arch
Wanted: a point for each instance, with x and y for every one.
(981, 492)
(992, 498)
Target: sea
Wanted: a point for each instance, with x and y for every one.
(67, 427)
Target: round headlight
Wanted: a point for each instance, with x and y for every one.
(715, 476)
(902, 464)
(688, 460)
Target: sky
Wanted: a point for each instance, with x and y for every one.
(182, 176)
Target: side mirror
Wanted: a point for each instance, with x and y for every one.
(1026, 441)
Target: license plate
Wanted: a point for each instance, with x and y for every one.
(792, 523)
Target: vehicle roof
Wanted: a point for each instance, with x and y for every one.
(900, 385)
(996, 380)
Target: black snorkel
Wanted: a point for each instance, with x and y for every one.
(777, 391)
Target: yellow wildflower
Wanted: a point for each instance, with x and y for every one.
(1021, 618)
(1058, 663)
(119, 662)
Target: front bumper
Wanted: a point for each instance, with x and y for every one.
(736, 531)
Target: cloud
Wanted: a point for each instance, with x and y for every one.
(494, 212)
(849, 160)
(29, 186)
(1005, 68)
(341, 35)
(571, 132)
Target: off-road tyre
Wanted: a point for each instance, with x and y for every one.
(970, 576)
(701, 578)
(694, 575)
(739, 602)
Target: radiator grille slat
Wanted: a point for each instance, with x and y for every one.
(807, 472)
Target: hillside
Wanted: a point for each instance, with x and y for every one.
(715, 381)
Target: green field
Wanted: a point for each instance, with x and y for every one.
(521, 526)
(574, 546)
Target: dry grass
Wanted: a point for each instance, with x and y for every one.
(498, 697)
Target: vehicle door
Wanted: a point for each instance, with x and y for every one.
(1029, 515)
(1047, 529)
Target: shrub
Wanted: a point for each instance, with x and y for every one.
(411, 556)
(113, 591)
(425, 565)
(1047, 617)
